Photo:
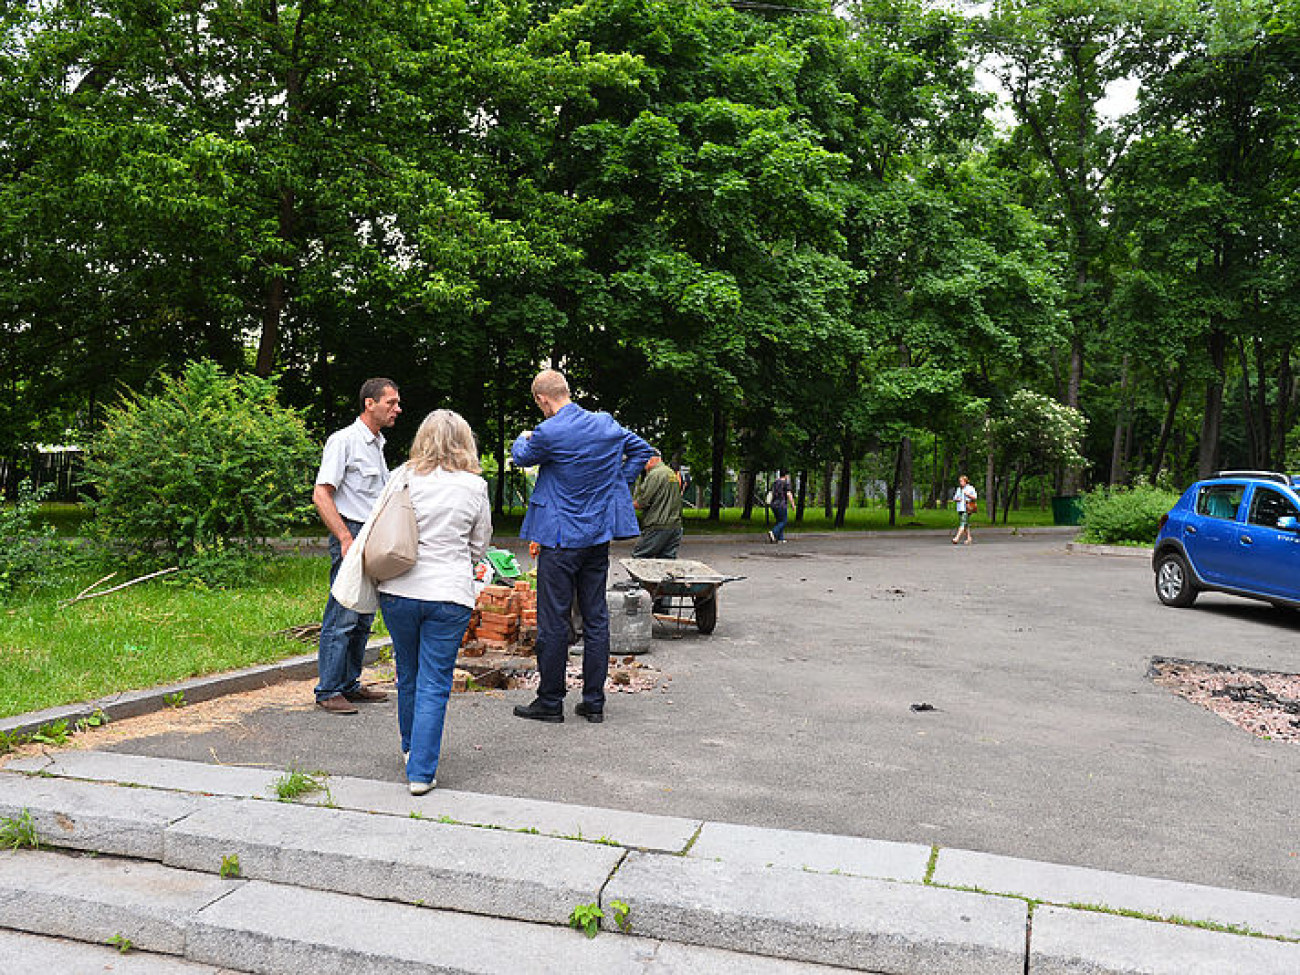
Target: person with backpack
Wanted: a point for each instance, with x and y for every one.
(780, 499)
(966, 506)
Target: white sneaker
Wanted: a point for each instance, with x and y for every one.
(771, 537)
(420, 788)
(406, 757)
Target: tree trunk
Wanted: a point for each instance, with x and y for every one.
(1172, 399)
(802, 496)
(745, 483)
(276, 295)
(906, 488)
(1208, 456)
(1070, 480)
(498, 504)
(826, 488)
(719, 455)
(1286, 390)
(1118, 460)
(1250, 419)
(846, 473)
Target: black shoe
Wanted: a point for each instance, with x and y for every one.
(591, 714)
(539, 712)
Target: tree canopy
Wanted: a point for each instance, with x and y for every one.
(809, 235)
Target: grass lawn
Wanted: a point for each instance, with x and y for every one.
(69, 519)
(150, 634)
(855, 519)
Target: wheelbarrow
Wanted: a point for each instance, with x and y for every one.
(684, 592)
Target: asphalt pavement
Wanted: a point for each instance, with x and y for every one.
(1046, 739)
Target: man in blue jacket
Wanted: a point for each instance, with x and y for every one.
(582, 500)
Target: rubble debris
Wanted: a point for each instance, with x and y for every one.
(1267, 704)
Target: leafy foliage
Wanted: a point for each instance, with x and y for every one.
(1122, 515)
(30, 555)
(207, 463)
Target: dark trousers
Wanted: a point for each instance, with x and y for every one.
(562, 574)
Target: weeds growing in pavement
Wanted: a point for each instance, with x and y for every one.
(121, 942)
(620, 910)
(17, 832)
(586, 918)
(230, 868)
(296, 783)
(176, 700)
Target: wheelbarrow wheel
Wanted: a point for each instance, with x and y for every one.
(706, 613)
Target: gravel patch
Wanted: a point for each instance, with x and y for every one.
(1267, 704)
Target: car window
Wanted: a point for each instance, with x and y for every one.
(1267, 506)
(1219, 500)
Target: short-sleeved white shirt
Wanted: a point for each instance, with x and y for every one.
(353, 464)
(963, 495)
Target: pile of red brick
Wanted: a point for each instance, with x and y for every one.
(504, 621)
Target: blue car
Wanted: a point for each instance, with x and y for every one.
(1237, 532)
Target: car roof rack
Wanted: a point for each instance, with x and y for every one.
(1259, 475)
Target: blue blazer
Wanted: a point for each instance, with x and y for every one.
(583, 495)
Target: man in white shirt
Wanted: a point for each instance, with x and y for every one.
(352, 476)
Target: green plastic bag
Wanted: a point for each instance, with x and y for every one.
(504, 564)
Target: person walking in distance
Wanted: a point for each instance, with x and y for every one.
(965, 497)
(582, 500)
(782, 498)
(351, 478)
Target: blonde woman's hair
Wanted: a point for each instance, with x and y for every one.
(444, 440)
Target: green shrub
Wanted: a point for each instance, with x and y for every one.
(206, 464)
(30, 554)
(1125, 515)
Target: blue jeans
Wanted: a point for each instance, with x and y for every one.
(562, 573)
(343, 636)
(426, 638)
(782, 515)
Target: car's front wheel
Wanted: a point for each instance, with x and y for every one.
(1174, 583)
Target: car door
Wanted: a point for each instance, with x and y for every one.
(1210, 533)
(1268, 557)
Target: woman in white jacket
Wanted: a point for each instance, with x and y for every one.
(427, 609)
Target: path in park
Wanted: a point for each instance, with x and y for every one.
(1048, 740)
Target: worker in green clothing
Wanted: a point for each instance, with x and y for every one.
(658, 500)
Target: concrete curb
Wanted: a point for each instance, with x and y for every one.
(1119, 551)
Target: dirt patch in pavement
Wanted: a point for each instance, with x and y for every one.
(226, 713)
(627, 675)
(1265, 703)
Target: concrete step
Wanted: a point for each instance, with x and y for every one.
(33, 954)
(253, 926)
(1068, 942)
(91, 898)
(629, 829)
(460, 868)
(855, 922)
(1055, 883)
(749, 892)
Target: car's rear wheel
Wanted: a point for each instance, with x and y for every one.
(1174, 583)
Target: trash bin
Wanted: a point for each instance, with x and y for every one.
(1066, 510)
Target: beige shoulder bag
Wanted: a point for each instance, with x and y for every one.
(394, 537)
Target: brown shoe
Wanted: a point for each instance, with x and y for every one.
(365, 694)
(338, 704)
